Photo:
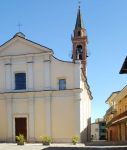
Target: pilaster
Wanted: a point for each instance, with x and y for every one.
(8, 74)
(31, 119)
(30, 74)
(48, 115)
(9, 104)
(47, 77)
(77, 117)
(77, 73)
(77, 113)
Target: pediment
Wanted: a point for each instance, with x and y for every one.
(21, 46)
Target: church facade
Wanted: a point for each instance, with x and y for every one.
(41, 95)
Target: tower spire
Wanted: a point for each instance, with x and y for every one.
(79, 20)
(79, 41)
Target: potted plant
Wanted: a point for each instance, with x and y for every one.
(75, 140)
(20, 139)
(46, 140)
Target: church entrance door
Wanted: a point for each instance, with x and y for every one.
(21, 127)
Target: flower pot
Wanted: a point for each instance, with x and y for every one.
(20, 143)
(46, 143)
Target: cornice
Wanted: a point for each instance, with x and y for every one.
(87, 85)
(41, 93)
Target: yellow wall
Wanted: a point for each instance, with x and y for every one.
(64, 71)
(120, 101)
(122, 105)
(38, 73)
(63, 121)
(63, 115)
(108, 117)
(42, 74)
(40, 119)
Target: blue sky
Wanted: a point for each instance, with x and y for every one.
(51, 23)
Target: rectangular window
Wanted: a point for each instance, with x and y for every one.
(103, 124)
(20, 81)
(62, 84)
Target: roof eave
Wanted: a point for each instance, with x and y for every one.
(16, 36)
(110, 97)
(124, 67)
(87, 85)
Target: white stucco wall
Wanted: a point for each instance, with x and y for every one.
(38, 71)
(85, 112)
(60, 114)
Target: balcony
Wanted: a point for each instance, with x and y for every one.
(111, 110)
(119, 118)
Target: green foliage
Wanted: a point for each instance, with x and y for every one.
(46, 140)
(75, 139)
(20, 139)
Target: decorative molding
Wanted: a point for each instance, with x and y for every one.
(47, 61)
(8, 64)
(30, 62)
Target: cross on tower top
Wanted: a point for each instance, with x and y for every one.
(19, 26)
(79, 3)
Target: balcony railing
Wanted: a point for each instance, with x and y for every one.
(111, 110)
(119, 118)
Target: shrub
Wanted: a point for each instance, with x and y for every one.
(46, 140)
(20, 139)
(75, 139)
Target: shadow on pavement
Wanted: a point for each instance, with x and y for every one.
(84, 148)
(106, 143)
(66, 148)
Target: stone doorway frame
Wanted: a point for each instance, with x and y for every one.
(20, 116)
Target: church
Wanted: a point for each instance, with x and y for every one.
(41, 95)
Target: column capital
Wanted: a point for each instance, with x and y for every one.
(30, 58)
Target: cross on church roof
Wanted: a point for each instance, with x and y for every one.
(19, 26)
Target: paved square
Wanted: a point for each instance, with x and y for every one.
(6, 146)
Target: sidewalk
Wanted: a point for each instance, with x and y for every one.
(106, 143)
(39, 146)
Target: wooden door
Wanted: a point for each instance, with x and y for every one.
(21, 127)
(126, 131)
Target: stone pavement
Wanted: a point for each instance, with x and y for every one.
(8, 146)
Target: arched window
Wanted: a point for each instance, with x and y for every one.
(79, 52)
(79, 33)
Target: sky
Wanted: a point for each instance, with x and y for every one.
(51, 23)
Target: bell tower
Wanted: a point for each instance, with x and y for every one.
(79, 41)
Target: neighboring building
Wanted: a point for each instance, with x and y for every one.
(42, 95)
(116, 115)
(94, 131)
(98, 130)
